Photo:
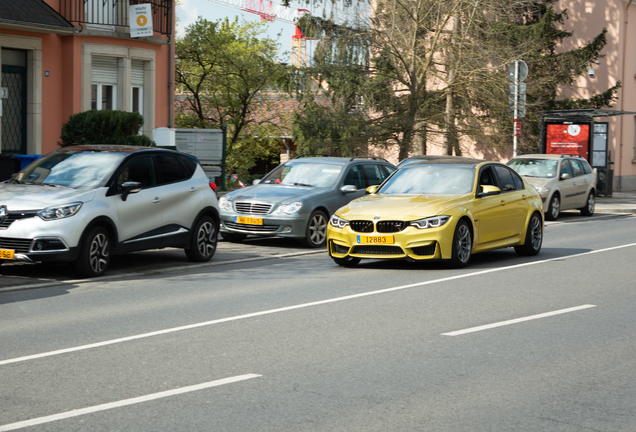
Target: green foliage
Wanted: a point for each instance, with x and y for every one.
(226, 70)
(104, 127)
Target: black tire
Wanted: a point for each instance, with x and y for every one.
(94, 256)
(316, 231)
(234, 238)
(203, 241)
(554, 209)
(462, 245)
(347, 262)
(590, 204)
(534, 237)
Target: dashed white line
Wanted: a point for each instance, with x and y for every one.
(122, 403)
(301, 306)
(517, 320)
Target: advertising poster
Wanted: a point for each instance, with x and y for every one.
(568, 138)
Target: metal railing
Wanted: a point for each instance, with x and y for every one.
(109, 14)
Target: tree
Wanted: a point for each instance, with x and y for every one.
(226, 70)
(437, 70)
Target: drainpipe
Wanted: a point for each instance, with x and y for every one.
(620, 148)
(171, 68)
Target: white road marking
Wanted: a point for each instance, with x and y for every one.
(517, 320)
(125, 402)
(301, 306)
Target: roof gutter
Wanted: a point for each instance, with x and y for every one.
(38, 28)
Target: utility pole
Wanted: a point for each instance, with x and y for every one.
(517, 72)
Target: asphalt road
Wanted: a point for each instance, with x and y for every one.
(298, 344)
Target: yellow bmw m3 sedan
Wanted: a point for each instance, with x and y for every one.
(444, 209)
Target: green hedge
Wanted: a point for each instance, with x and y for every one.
(104, 127)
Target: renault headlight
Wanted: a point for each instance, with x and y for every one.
(432, 222)
(288, 209)
(225, 203)
(338, 222)
(60, 212)
(543, 191)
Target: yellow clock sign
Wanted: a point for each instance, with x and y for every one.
(140, 20)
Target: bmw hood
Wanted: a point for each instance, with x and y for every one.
(275, 193)
(36, 197)
(400, 207)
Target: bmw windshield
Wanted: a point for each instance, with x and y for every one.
(74, 169)
(305, 174)
(430, 179)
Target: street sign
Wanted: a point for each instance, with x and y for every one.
(517, 128)
(205, 144)
(140, 20)
(212, 170)
(522, 72)
(517, 97)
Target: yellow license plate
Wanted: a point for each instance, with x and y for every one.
(6, 254)
(375, 239)
(248, 220)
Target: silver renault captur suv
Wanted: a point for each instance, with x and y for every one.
(84, 204)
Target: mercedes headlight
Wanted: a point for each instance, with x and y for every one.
(60, 212)
(432, 222)
(338, 222)
(289, 209)
(225, 203)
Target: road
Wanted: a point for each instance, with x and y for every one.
(298, 344)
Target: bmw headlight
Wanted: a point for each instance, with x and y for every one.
(338, 222)
(60, 212)
(225, 203)
(288, 209)
(432, 222)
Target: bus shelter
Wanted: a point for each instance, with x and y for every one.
(579, 132)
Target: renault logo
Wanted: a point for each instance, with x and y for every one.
(3, 213)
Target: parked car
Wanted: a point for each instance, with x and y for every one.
(565, 182)
(84, 204)
(439, 210)
(296, 198)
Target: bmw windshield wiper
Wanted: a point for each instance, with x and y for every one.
(303, 184)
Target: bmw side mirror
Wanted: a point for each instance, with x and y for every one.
(257, 181)
(565, 176)
(347, 189)
(487, 190)
(129, 188)
(373, 189)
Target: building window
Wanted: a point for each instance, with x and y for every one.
(103, 97)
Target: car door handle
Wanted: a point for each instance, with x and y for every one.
(503, 202)
(524, 197)
(156, 200)
(192, 189)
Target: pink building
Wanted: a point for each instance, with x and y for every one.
(587, 18)
(61, 57)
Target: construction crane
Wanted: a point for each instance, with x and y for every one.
(270, 11)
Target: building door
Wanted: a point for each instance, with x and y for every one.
(13, 92)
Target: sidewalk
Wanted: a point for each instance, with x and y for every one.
(619, 202)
